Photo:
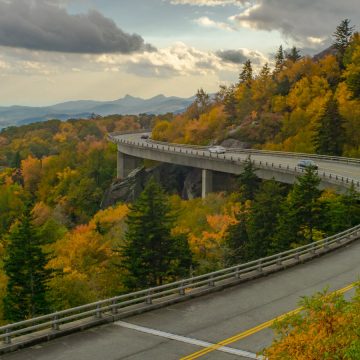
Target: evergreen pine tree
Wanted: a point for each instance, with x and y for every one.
(300, 214)
(202, 101)
(16, 161)
(351, 200)
(236, 241)
(330, 133)
(293, 55)
(263, 219)
(265, 71)
(248, 180)
(342, 37)
(246, 75)
(24, 265)
(152, 255)
(279, 60)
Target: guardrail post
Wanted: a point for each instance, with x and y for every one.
(98, 312)
(149, 297)
(182, 289)
(211, 282)
(114, 309)
(278, 261)
(312, 249)
(7, 339)
(55, 324)
(260, 268)
(297, 256)
(326, 244)
(237, 272)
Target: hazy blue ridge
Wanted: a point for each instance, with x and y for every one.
(128, 105)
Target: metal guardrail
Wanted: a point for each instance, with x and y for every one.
(139, 301)
(197, 151)
(300, 155)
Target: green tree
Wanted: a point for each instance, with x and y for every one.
(248, 180)
(246, 75)
(16, 161)
(352, 63)
(236, 241)
(342, 37)
(25, 266)
(293, 55)
(330, 133)
(279, 60)
(265, 72)
(351, 201)
(263, 219)
(152, 254)
(300, 215)
(226, 96)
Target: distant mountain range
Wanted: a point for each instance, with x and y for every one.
(129, 105)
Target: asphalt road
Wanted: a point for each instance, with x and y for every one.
(211, 318)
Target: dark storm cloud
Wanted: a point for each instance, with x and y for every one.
(44, 25)
(302, 20)
(240, 56)
(232, 56)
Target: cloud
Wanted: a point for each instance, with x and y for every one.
(239, 56)
(176, 60)
(232, 56)
(46, 25)
(207, 22)
(307, 22)
(205, 2)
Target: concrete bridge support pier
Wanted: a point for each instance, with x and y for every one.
(207, 183)
(126, 164)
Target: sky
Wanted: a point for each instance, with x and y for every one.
(53, 51)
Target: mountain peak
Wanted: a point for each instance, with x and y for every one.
(158, 97)
(128, 97)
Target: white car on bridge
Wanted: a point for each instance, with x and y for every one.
(217, 149)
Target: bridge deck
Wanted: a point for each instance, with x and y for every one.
(132, 144)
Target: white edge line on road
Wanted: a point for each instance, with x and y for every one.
(187, 340)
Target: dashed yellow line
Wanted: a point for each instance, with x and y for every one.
(253, 330)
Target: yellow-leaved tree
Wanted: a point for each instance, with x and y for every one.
(84, 261)
(326, 328)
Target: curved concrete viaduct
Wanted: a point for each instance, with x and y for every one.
(339, 174)
(238, 317)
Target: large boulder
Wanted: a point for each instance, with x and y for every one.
(171, 178)
(125, 190)
(234, 143)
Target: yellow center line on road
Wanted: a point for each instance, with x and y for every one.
(253, 330)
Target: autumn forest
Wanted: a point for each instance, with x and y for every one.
(54, 176)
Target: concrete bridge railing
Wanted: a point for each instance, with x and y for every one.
(43, 328)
